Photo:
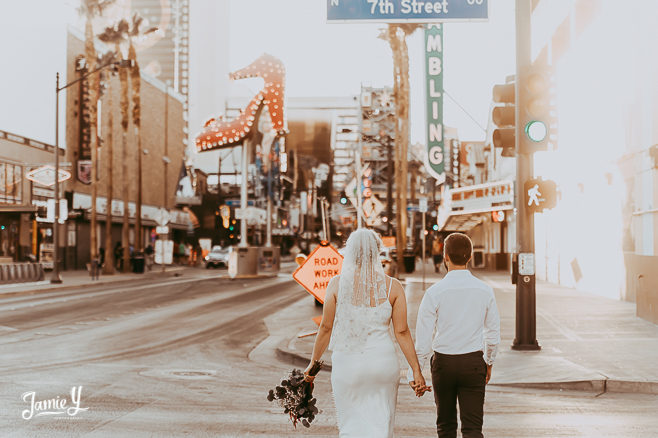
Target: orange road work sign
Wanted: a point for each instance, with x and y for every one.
(318, 268)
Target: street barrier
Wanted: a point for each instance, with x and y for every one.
(21, 272)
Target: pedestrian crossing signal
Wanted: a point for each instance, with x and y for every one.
(540, 195)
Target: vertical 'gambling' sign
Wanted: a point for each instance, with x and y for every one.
(434, 90)
(320, 266)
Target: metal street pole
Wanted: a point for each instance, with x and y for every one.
(359, 177)
(423, 255)
(389, 188)
(525, 337)
(165, 159)
(55, 276)
(243, 194)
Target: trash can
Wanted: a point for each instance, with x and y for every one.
(409, 260)
(138, 263)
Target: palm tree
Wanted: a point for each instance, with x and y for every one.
(397, 39)
(134, 33)
(91, 9)
(106, 83)
(117, 35)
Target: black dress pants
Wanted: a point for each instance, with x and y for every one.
(459, 377)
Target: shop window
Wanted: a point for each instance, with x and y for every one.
(11, 183)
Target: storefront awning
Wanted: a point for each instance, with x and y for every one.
(18, 208)
(464, 208)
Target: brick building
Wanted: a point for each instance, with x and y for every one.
(162, 142)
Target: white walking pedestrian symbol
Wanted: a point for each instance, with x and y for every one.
(533, 195)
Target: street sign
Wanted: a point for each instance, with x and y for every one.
(405, 11)
(434, 157)
(164, 252)
(162, 217)
(319, 267)
(162, 230)
(236, 202)
(422, 205)
(372, 207)
(45, 175)
(540, 194)
(63, 211)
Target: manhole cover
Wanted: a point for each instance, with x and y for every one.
(180, 374)
(192, 373)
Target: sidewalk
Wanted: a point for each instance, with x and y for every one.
(588, 342)
(80, 279)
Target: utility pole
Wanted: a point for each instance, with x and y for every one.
(56, 279)
(389, 186)
(246, 144)
(525, 336)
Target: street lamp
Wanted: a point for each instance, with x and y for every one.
(123, 63)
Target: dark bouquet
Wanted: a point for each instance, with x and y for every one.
(295, 396)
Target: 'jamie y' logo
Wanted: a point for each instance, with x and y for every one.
(54, 406)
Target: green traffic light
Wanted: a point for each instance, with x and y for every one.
(536, 130)
(343, 200)
(435, 227)
(230, 228)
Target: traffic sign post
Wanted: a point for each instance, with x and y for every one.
(320, 266)
(526, 316)
(422, 207)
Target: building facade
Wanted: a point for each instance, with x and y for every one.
(163, 149)
(26, 228)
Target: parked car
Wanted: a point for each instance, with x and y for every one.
(217, 256)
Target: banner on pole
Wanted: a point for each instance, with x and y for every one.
(434, 158)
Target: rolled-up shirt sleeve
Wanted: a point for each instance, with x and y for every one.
(425, 325)
(491, 331)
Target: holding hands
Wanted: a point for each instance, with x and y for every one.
(418, 384)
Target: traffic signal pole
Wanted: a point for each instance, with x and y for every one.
(525, 335)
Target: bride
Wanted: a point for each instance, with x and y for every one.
(359, 306)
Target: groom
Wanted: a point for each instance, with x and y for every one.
(461, 312)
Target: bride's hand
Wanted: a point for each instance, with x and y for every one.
(420, 386)
(306, 376)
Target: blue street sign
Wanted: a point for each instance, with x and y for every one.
(236, 202)
(402, 11)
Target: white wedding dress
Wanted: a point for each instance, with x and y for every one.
(365, 369)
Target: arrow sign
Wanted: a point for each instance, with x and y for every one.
(320, 266)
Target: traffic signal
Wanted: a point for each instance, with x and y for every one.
(537, 108)
(343, 198)
(503, 117)
(540, 194)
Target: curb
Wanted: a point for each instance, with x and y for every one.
(599, 386)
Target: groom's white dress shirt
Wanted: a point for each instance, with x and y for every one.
(457, 315)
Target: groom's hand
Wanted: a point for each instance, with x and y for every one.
(488, 374)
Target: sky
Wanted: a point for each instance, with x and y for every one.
(321, 59)
(327, 59)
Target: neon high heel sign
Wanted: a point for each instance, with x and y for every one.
(218, 133)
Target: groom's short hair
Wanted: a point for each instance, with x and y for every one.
(458, 247)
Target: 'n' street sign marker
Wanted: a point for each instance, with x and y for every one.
(406, 11)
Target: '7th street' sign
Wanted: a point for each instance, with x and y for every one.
(401, 11)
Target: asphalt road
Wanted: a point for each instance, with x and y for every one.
(194, 356)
